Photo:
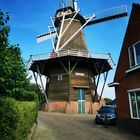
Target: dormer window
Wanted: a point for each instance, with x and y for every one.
(134, 55)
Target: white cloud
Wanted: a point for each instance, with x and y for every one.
(30, 74)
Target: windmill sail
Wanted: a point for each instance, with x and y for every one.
(62, 3)
(72, 3)
(69, 3)
(110, 14)
(45, 36)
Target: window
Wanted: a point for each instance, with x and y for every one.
(60, 76)
(134, 101)
(134, 54)
(79, 74)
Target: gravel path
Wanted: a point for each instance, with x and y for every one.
(55, 126)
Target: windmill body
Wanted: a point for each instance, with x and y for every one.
(70, 26)
(72, 73)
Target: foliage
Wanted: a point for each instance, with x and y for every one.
(33, 87)
(4, 30)
(16, 118)
(12, 69)
(23, 95)
(107, 101)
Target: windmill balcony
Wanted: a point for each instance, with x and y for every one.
(69, 52)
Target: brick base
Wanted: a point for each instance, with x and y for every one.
(71, 107)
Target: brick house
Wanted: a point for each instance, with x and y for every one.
(127, 76)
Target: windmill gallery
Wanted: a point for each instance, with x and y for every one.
(72, 73)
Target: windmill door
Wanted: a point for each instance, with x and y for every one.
(81, 101)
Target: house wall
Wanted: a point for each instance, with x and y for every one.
(131, 80)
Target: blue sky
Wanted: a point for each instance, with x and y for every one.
(29, 18)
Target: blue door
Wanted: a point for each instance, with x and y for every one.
(81, 101)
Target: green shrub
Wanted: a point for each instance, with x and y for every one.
(24, 95)
(16, 118)
(28, 115)
(8, 118)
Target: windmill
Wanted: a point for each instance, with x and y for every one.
(72, 73)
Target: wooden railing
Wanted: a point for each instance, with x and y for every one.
(77, 53)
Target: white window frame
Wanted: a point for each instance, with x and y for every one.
(130, 103)
(79, 74)
(135, 58)
(59, 77)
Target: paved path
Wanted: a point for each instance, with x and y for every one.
(54, 126)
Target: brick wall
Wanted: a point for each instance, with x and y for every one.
(131, 80)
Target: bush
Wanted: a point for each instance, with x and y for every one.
(8, 118)
(23, 95)
(16, 118)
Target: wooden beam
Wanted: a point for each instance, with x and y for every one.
(74, 67)
(105, 78)
(42, 84)
(64, 66)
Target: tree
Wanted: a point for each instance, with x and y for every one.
(12, 70)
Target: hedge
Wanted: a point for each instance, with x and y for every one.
(16, 118)
(23, 95)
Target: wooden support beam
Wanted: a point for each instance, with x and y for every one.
(64, 66)
(42, 68)
(42, 84)
(74, 67)
(69, 65)
(35, 77)
(96, 84)
(105, 78)
(69, 79)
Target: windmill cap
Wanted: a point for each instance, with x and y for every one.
(59, 15)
